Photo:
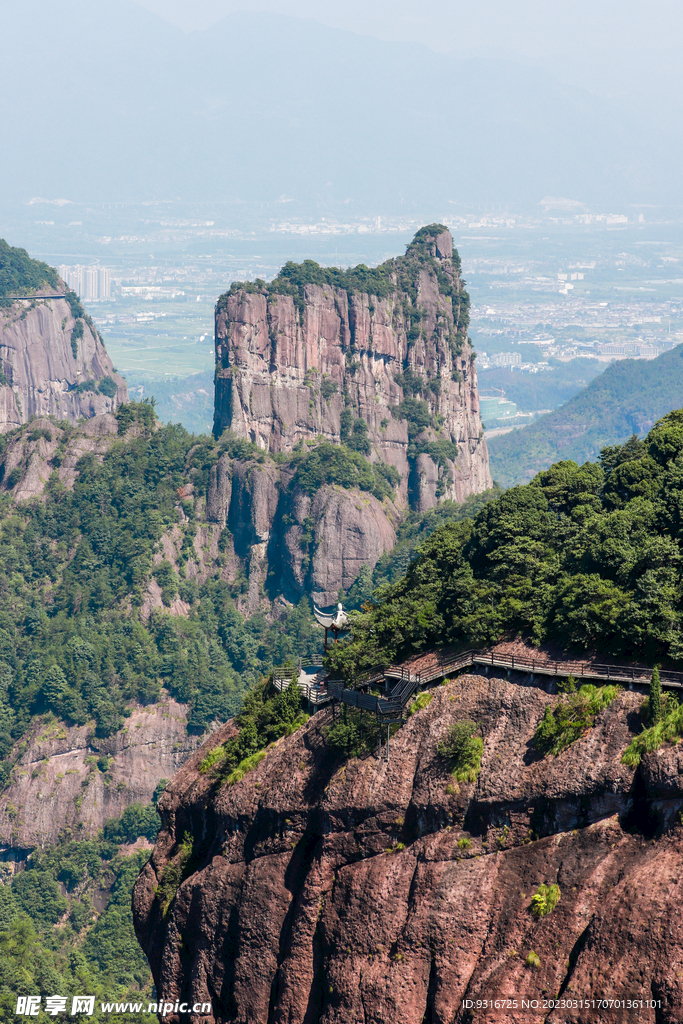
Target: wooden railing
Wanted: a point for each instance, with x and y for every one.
(323, 689)
(442, 665)
(316, 693)
(283, 675)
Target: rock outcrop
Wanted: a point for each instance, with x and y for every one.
(326, 891)
(67, 781)
(53, 363)
(44, 447)
(332, 536)
(316, 351)
(300, 544)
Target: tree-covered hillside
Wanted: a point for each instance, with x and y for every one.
(74, 569)
(66, 926)
(626, 399)
(21, 275)
(587, 555)
(532, 392)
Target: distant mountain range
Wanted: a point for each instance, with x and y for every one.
(267, 108)
(626, 399)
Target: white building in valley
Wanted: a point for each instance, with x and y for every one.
(90, 283)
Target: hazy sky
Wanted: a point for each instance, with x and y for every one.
(618, 40)
(252, 104)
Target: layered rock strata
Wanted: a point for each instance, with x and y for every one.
(298, 359)
(327, 891)
(53, 364)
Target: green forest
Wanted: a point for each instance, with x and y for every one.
(21, 275)
(73, 571)
(628, 398)
(74, 566)
(535, 391)
(586, 555)
(53, 938)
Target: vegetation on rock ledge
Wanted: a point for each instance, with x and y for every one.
(463, 748)
(544, 900)
(573, 714)
(265, 716)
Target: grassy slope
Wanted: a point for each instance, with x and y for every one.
(626, 399)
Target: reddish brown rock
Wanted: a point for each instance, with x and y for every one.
(333, 535)
(42, 372)
(286, 375)
(294, 910)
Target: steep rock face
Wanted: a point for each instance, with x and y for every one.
(296, 361)
(313, 544)
(67, 780)
(43, 376)
(300, 906)
(332, 536)
(44, 448)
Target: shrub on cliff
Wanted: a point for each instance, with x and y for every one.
(108, 387)
(668, 730)
(174, 874)
(399, 275)
(265, 717)
(569, 719)
(348, 737)
(463, 749)
(416, 412)
(544, 900)
(337, 464)
(423, 700)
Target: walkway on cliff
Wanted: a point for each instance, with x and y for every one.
(402, 681)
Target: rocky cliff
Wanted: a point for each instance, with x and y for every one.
(285, 540)
(68, 782)
(319, 890)
(377, 358)
(53, 363)
(300, 542)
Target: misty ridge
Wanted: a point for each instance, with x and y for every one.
(261, 107)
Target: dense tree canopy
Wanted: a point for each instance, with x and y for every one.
(54, 942)
(587, 555)
(21, 275)
(74, 569)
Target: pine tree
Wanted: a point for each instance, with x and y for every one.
(655, 699)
